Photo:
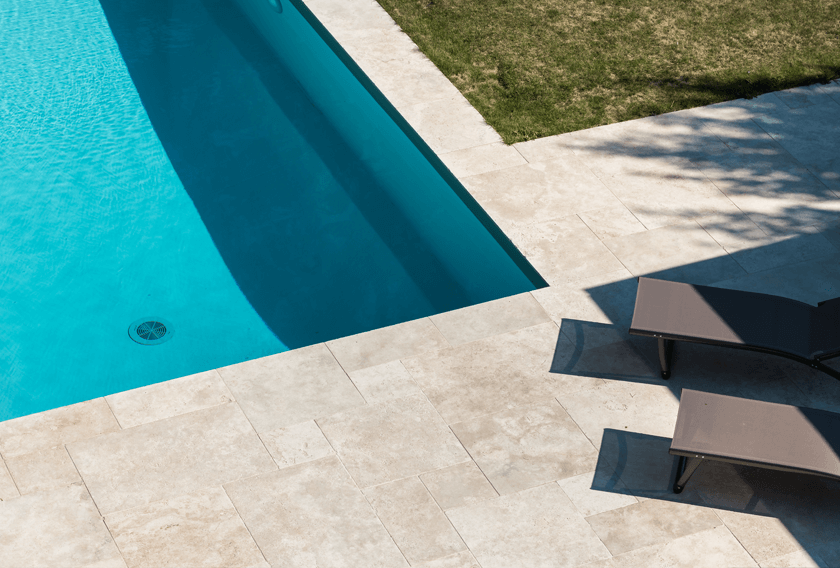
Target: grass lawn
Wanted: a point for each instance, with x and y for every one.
(539, 67)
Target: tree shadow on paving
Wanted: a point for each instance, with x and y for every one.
(640, 465)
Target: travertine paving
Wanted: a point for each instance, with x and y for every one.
(530, 431)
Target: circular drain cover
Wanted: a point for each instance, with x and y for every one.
(150, 331)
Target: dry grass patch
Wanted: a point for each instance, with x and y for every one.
(539, 67)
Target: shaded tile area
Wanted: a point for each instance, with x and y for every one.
(458, 485)
(46, 469)
(524, 447)
(536, 527)
(55, 427)
(490, 318)
(170, 398)
(386, 344)
(414, 520)
(313, 515)
(60, 527)
(391, 440)
(494, 374)
(296, 444)
(170, 457)
(199, 529)
(291, 387)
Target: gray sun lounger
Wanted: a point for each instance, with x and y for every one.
(673, 311)
(754, 433)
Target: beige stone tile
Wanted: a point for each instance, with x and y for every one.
(312, 514)
(764, 537)
(199, 529)
(52, 428)
(649, 409)
(497, 373)
(800, 97)
(391, 440)
(535, 527)
(337, 15)
(597, 491)
(608, 298)
(664, 196)
(545, 149)
(683, 252)
(387, 344)
(449, 124)
(169, 398)
(538, 192)
(414, 520)
(612, 222)
(774, 189)
(676, 134)
(608, 152)
(732, 229)
(458, 485)
(490, 318)
(482, 159)
(46, 469)
(565, 250)
(8, 489)
(650, 522)
(528, 446)
(291, 387)
(395, 64)
(296, 444)
(798, 559)
(385, 382)
(775, 252)
(170, 457)
(706, 549)
(60, 527)
(460, 560)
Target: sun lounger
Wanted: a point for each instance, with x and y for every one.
(754, 433)
(673, 311)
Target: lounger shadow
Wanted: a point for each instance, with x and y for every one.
(673, 311)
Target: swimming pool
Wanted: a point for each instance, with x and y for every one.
(219, 166)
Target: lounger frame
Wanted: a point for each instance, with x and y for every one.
(650, 326)
(753, 433)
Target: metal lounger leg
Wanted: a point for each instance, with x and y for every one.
(666, 348)
(826, 369)
(685, 468)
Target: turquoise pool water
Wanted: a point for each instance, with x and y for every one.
(220, 166)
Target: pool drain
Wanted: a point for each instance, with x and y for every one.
(150, 331)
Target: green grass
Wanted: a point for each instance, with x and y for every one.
(539, 67)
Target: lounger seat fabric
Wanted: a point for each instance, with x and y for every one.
(723, 316)
(753, 432)
(674, 311)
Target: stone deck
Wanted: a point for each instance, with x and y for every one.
(530, 431)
